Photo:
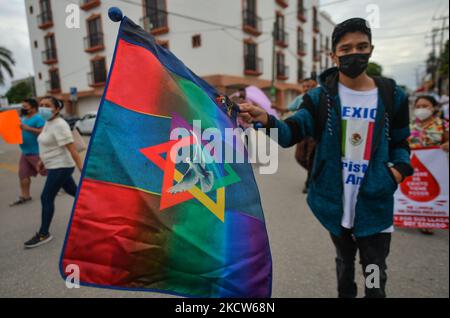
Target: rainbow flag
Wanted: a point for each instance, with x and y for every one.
(133, 226)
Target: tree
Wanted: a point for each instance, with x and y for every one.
(19, 92)
(6, 63)
(374, 69)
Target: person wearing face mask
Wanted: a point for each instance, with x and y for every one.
(58, 157)
(31, 124)
(428, 129)
(361, 128)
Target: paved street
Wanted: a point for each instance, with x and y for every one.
(303, 255)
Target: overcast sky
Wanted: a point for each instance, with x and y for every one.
(401, 43)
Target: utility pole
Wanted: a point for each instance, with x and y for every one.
(441, 51)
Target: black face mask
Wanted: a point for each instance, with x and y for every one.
(23, 112)
(353, 65)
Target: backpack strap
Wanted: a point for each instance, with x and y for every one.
(321, 115)
(386, 88)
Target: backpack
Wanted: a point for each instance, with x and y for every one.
(305, 150)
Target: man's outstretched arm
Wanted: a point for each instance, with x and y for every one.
(290, 131)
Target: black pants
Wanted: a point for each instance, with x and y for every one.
(373, 250)
(56, 179)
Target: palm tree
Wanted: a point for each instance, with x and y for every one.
(6, 62)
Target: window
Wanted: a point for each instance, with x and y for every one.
(251, 21)
(53, 85)
(282, 69)
(31, 9)
(49, 55)
(301, 11)
(97, 76)
(301, 45)
(301, 72)
(252, 64)
(155, 19)
(40, 76)
(196, 41)
(35, 44)
(45, 19)
(281, 35)
(94, 40)
(316, 53)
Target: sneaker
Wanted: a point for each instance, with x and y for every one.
(38, 240)
(20, 201)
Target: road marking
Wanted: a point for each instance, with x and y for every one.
(9, 167)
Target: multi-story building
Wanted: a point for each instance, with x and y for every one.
(230, 43)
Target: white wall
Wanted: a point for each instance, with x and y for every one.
(222, 52)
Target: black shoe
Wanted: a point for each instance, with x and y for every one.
(38, 240)
(20, 201)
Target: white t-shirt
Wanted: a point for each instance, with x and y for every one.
(359, 111)
(52, 144)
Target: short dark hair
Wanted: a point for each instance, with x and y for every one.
(55, 101)
(350, 26)
(32, 102)
(429, 98)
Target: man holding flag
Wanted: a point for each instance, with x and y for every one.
(361, 126)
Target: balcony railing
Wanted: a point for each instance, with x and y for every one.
(316, 56)
(94, 42)
(282, 72)
(251, 22)
(45, 20)
(53, 86)
(96, 78)
(283, 3)
(89, 4)
(316, 26)
(302, 48)
(155, 23)
(301, 14)
(253, 65)
(301, 75)
(282, 38)
(49, 56)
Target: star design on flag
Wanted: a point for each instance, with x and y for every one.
(171, 174)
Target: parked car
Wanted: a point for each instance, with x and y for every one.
(85, 125)
(71, 120)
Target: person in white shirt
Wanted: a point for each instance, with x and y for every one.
(59, 157)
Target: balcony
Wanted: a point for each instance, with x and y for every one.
(96, 79)
(156, 24)
(251, 23)
(302, 48)
(45, 20)
(49, 56)
(301, 14)
(253, 65)
(283, 3)
(316, 56)
(301, 75)
(94, 42)
(282, 72)
(282, 38)
(89, 4)
(316, 26)
(53, 86)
